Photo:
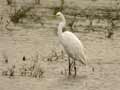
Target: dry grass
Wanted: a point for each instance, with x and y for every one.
(9, 2)
(20, 13)
(31, 67)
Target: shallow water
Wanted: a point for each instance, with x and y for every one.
(102, 53)
(30, 39)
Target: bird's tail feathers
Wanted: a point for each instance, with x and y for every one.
(83, 60)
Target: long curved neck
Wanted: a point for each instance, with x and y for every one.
(63, 20)
(62, 24)
(60, 27)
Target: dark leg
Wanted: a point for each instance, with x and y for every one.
(75, 68)
(69, 72)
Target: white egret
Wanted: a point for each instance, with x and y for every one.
(72, 45)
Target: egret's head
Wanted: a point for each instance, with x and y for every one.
(61, 16)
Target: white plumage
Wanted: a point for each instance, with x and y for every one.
(72, 45)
